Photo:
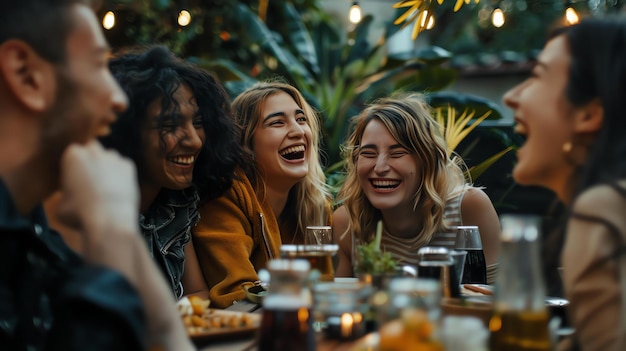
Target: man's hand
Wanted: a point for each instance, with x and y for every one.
(101, 199)
(99, 188)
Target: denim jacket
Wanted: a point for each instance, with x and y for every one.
(51, 299)
(166, 226)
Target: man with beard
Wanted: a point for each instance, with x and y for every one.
(56, 97)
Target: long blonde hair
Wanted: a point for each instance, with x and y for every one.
(409, 120)
(310, 197)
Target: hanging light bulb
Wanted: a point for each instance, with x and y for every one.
(108, 21)
(355, 14)
(497, 18)
(571, 17)
(184, 18)
(431, 21)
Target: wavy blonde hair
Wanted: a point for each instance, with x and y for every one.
(310, 198)
(409, 120)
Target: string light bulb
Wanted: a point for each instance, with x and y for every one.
(431, 21)
(184, 18)
(355, 13)
(571, 17)
(108, 21)
(497, 18)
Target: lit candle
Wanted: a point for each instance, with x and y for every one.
(346, 325)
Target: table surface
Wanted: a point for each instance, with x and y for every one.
(248, 343)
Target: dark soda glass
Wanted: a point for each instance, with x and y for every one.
(426, 270)
(475, 271)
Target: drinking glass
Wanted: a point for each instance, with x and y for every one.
(437, 263)
(319, 257)
(318, 235)
(458, 257)
(334, 300)
(475, 269)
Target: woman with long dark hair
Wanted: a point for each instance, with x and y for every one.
(571, 112)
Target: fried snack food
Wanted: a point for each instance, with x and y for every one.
(199, 318)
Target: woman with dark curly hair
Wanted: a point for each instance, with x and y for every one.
(179, 131)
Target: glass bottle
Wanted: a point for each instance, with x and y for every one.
(410, 293)
(287, 323)
(409, 315)
(520, 319)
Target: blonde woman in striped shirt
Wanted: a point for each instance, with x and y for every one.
(400, 170)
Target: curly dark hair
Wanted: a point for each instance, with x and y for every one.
(156, 73)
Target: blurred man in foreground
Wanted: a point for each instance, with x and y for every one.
(56, 96)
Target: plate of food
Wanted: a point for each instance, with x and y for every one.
(204, 323)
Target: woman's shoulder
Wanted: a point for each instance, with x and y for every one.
(472, 196)
(602, 198)
(603, 204)
(241, 186)
(340, 213)
(340, 219)
(240, 194)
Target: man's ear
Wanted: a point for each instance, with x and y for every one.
(26, 74)
(590, 117)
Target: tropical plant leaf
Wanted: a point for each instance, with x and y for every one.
(455, 128)
(259, 33)
(478, 104)
(225, 69)
(300, 38)
(376, 60)
(480, 168)
(428, 79)
(361, 45)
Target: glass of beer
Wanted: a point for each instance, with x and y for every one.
(318, 256)
(475, 269)
(318, 235)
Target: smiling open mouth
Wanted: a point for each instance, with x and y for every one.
(385, 184)
(183, 160)
(293, 152)
(521, 131)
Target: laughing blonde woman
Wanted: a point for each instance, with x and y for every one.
(279, 191)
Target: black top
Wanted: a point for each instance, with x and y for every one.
(51, 299)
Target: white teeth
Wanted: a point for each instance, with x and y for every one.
(385, 183)
(519, 129)
(185, 160)
(299, 148)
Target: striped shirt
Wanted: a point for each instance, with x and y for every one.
(404, 250)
